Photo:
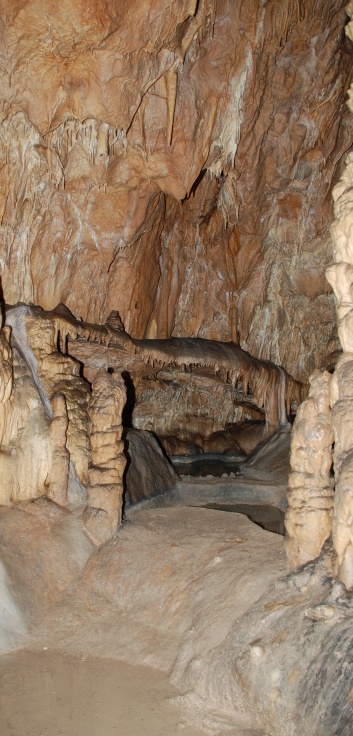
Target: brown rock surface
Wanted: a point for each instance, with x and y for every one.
(150, 151)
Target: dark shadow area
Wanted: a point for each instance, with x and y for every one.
(126, 501)
(267, 517)
(162, 449)
(196, 183)
(126, 418)
(126, 421)
(2, 304)
(205, 466)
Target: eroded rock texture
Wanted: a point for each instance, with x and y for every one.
(105, 491)
(340, 276)
(317, 427)
(174, 161)
(310, 496)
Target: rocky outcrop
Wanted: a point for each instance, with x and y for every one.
(239, 379)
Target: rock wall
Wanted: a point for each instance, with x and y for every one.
(151, 150)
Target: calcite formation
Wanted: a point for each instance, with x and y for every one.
(59, 480)
(166, 179)
(5, 367)
(340, 276)
(147, 173)
(174, 161)
(105, 490)
(310, 495)
(53, 371)
(317, 427)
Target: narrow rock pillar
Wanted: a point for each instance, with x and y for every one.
(60, 465)
(308, 517)
(103, 513)
(340, 276)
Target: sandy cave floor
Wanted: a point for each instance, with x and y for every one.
(144, 610)
(184, 603)
(50, 693)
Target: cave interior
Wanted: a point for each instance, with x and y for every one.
(176, 367)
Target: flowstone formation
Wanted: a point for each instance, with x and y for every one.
(153, 370)
(166, 179)
(174, 161)
(55, 423)
(44, 450)
(74, 386)
(341, 277)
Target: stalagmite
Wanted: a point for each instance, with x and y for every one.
(105, 490)
(310, 496)
(340, 276)
(60, 463)
(166, 178)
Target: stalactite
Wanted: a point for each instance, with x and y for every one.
(171, 83)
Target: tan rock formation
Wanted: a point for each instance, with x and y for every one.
(26, 448)
(5, 372)
(60, 373)
(340, 276)
(316, 428)
(105, 491)
(152, 165)
(60, 465)
(219, 380)
(44, 422)
(310, 497)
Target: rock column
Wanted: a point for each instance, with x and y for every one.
(103, 513)
(340, 276)
(310, 497)
(304, 528)
(60, 464)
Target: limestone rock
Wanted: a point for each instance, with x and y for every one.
(104, 511)
(308, 519)
(44, 548)
(146, 156)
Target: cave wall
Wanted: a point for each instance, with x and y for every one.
(174, 161)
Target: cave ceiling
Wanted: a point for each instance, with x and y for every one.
(174, 161)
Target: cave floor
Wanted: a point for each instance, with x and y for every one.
(147, 608)
(185, 604)
(56, 694)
